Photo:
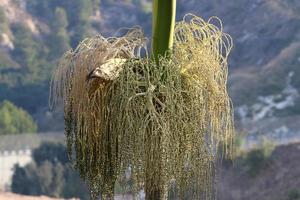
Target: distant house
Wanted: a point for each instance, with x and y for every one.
(7, 161)
(17, 149)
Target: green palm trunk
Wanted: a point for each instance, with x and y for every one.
(164, 12)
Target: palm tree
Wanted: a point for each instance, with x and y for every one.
(160, 118)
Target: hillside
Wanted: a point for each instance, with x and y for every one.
(277, 178)
(264, 67)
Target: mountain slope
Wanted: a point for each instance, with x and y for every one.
(264, 65)
(278, 179)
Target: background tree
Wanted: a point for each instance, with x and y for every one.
(96, 5)
(52, 152)
(80, 31)
(14, 120)
(44, 179)
(81, 11)
(40, 8)
(50, 174)
(59, 40)
(26, 50)
(30, 54)
(108, 2)
(4, 25)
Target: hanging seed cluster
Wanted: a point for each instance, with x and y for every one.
(163, 124)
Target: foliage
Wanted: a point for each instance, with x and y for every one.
(4, 25)
(59, 39)
(255, 161)
(42, 8)
(146, 6)
(96, 4)
(78, 14)
(258, 158)
(82, 10)
(30, 97)
(34, 179)
(26, 86)
(30, 54)
(26, 70)
(49, 174)
(294, 195)
(81, 31)
(6, 62)
(175, 115)
(26, 50)
(52, 152)
(14, 120)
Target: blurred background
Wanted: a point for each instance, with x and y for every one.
(264, 83)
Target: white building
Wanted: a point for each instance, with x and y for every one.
(8, 159)
(17, 149)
